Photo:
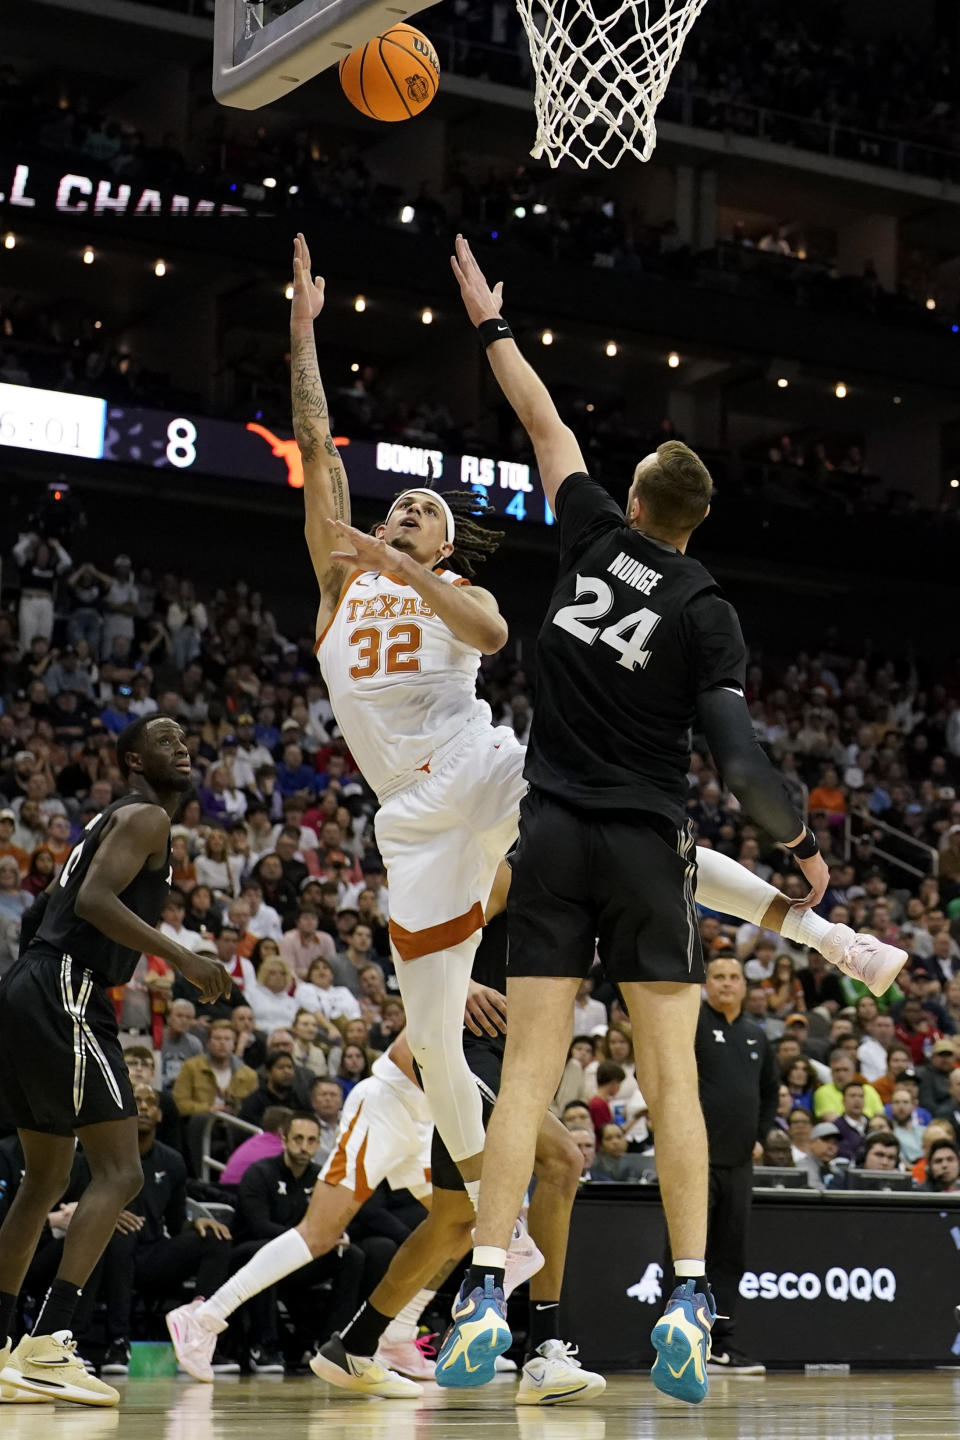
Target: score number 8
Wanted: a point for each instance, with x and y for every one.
(181, 443)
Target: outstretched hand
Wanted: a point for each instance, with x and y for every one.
(365, 551)
(480, 301)
(307, 292)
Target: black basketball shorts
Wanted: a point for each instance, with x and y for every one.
(485, 1058)
(618, 881)
(61, 1062)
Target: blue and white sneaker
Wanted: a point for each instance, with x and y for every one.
(477, 1335)
(681, 1338)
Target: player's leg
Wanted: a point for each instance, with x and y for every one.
(551, 1373)
(46, 1361)
(731, 889)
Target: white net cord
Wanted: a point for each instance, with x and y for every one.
(601, 68)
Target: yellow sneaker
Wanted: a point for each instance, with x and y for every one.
(47, 1365)
(9, 1394)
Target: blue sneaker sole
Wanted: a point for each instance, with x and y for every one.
(463, 1364)
(674, 1371)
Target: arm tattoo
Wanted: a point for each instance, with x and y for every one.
(310, 422)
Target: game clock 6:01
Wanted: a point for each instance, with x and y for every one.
(51, 421)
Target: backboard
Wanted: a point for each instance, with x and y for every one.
(263, 49)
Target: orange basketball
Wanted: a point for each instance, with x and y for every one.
(394, 76)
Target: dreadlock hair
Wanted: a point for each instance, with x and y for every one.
(474, 541)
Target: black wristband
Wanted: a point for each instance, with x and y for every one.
(807, 847)
(495, 329)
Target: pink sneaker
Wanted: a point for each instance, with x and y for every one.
(863, 957)
(523, 1259)
(194, 1341)
(412, 1358)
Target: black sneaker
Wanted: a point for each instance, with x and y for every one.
(222, 1364)
(731, 1362)
(267, 1360)
(116, 1361)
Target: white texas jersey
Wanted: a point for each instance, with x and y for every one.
(401, 684)
(410, 1095)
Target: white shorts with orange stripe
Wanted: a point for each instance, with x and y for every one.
(380, 1138)
(443, 836)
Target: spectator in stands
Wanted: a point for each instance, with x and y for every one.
(852, 1123)
(908, 1130)
(899, 1061)
(251, 1043)
(351, 963)
(393, 1020)
(41, 561)
(943, 1168)
(872, 1052)
(273, 1198)
(934, 1077)
(799, 1131)
(276, 1088)
(950, 1108)
(277, 890)
(373, 991)
(784, 990)
(801, 1081)
(326, 1102)
(586, 1142)
(329, 1002)
(880, 1152)
(306, 943)
(823, 1149)
(40, 872)
(258, 1147)
(917, 1029)
(589, 1015)
(8, 821)
(264, 921)
(241, 971)
(821, 984)
(828, 1099)
(610, 1077)
(573, 1083)
(217, 868)
(179, 1043)
(306, 1052)
(215, 1082)
(612, 1161)
(354, 1067)
(156, 1248)
(272, 997)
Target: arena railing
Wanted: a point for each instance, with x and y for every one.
(899, 837)
(210, 1168)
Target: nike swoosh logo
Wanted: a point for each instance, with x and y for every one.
(502, 329)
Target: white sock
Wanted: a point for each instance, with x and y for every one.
(278, 1259)
(472, 1188)
(689, 1269)
(404, 1326)
(803, 927)
(489, 1256)
(725, 886)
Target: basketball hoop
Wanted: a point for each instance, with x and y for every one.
(600, 76)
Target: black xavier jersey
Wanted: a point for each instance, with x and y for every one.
(634, 633)
(61, 927)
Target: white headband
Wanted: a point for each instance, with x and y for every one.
(451, 526)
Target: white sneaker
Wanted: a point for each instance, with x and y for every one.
(194, 1341)
(407, 1356)
(863, 957)
(363, 1377)
(523, 1259)
(554, 1376)
(503, 1365)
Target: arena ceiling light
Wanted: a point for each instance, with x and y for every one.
(840, 390)
(426, 316)
(360, 304)
(898, 399)
(270, 182)
(546, 338)
(610, 349)
(782, 382)
(931, 303)
(673, 359)
(406, 215)
(955, 484)
(354, 367)
(539, 209)
(9, 241)
(160, 269)
(288, 290)
(88, 256)
(520, 212)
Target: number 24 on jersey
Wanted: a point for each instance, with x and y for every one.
(629, 636)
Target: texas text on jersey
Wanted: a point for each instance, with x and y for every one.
(635, 631)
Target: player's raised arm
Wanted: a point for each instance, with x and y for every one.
(325, 492)
(556, 447)
(137, 834)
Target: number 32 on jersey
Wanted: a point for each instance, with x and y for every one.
(629, 636)
(397, 657)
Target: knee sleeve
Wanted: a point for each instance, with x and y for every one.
(725, 886)
(434, 990)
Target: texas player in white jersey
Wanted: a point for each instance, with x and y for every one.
(399, 640)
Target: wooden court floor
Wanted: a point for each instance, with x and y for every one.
(861, 1407)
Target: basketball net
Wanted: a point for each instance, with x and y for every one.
(600, 77)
